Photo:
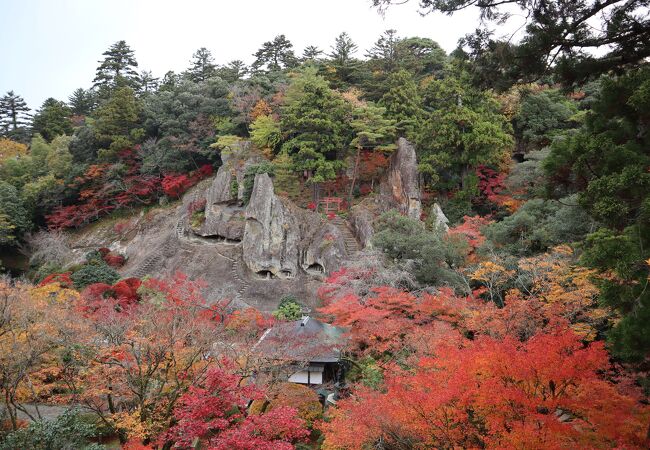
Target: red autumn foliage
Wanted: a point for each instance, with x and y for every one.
(215, 413)
(470, 230)
(62, 278)
(100, 192)
(490, 393)
(392, 321)
(175, 185)
(115, 261)
(101, 298)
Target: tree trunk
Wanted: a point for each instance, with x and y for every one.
(354, 174)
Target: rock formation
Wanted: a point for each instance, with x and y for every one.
(224, 217)
(439, 218)
(271, 234)
(361, 220)
(324, 249)
(401, 188)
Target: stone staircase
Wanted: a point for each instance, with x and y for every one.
(351, 244)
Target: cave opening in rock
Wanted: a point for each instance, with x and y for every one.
(287, 273)
(265, 274)
(214, 237)
(316, 268)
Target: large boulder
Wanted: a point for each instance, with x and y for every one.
(401, 187)
(270, 246)
(324, 249)
(224, 217)
(361, 220)
(440, 221)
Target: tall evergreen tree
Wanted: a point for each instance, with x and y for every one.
(342, 60)
(383, 54)
(148, 83)
(81, 102)
(117, 69)
(14, 113)
(403, 103)
(53, 119)
(202, 65)
(311, 53)
(117, 121)
(169, 81)
(233, 71)
(316, 122)
(275, 55)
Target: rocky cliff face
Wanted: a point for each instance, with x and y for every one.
(361, 220)
(283, 241)
(224, 216)
(401, 188)
(270, 246)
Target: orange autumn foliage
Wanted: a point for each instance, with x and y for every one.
(544, 393)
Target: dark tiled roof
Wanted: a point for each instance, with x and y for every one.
(306, 339)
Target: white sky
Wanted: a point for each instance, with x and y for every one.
(48, 48)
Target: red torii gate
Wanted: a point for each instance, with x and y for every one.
(331, 204)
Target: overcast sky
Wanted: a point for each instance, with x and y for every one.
(48, 48)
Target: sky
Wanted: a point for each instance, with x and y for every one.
(48, 48)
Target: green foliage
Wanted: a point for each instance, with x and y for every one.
(368, 372)
(69, 430)
(432, 254)
(234, 188)
(117, 122)
(288, 309)
(403, 104)
(94, 271)
(464, 128)
(315, 122)
(53, 119)
(285, 178)
(14, 220)
(541, 116)
(540, 224)
(202, 65)
(81, 102)
(266, 133)
(117, 70)
(275, 55)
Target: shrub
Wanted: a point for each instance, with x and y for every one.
(288, 309)
(300, 397)
(92, 273)
(69, 430)
(433, 255)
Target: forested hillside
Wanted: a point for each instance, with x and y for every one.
(503, 301)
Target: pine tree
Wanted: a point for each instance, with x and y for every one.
(81, 102)
(169, 81)
(402, 102)
(343, 61)
(14, 113)
(202, 65)
(286, 180)
(233, 71)
(53, 119)
(148, 83)
(311, 53)
(316, 122)
(275, 55)
(383, 54)
(117, 69)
